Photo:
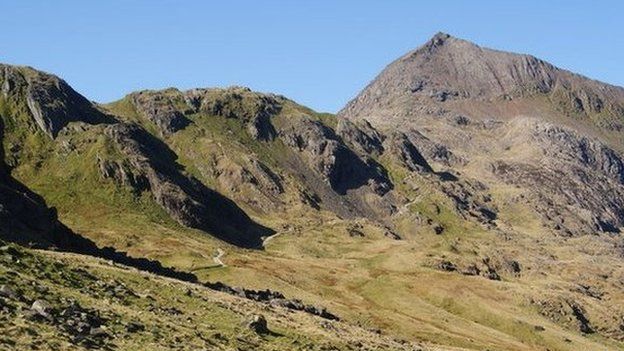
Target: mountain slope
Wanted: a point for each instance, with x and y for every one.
(513, 118)
(455, 70)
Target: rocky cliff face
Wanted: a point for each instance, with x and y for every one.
(153, 168)
(51, 102)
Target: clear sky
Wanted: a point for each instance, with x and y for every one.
(318, 52)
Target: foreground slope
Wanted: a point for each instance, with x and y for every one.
(60, 301)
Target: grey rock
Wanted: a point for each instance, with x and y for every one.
(329, 157)
(153, 166)
(160, 109)
(6, 291)
(41, 308)
(361, 135)
(258, 324)
(51, 101)
(255, 110)
(447, 266)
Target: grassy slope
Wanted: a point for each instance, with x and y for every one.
(204, 319)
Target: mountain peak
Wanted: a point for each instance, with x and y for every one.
(51, 102)
(439, 38)
(447, 68)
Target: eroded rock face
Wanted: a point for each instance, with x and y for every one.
(333, 160)
(51, 101)
(473, 111)
(575, 183)
(434, 151)
(364, 138)
(448, 69)
(160, 109)
(186, 199)
(254, 109)
(401, 147)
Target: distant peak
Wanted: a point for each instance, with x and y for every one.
(439, 38)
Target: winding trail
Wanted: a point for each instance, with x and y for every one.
(266, 240)
(217, 258)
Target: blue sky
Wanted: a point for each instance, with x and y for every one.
(319, 53)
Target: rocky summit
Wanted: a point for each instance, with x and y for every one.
(466, 199)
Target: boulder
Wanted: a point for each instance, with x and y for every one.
(258, 324)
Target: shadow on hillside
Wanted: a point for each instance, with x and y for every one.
(200, 207)
(26, 220)
(352, 172)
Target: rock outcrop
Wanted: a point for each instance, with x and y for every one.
(51, 101)
(338, 165)
(186, 199)
(160, 109)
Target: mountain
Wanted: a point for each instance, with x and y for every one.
(514, 118)
(466, 199)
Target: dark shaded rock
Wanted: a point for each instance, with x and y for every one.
(447, 266)
(583, 323)
(434, 151)
(362, 136)
(328, 156)
(51, 101)
(402, 148)
(258, 324)
(160, 109)
(184, 198)
(438, 229)
(134, 327)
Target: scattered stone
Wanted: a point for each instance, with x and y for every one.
(447, 266)
(471, 270)
(258, 324)
(491, 274)
(353, 232)
(41, 308)
(590, 291)
(438, 229)
(98, 332)
(513, 267)
(392, 235)
(7, 292)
